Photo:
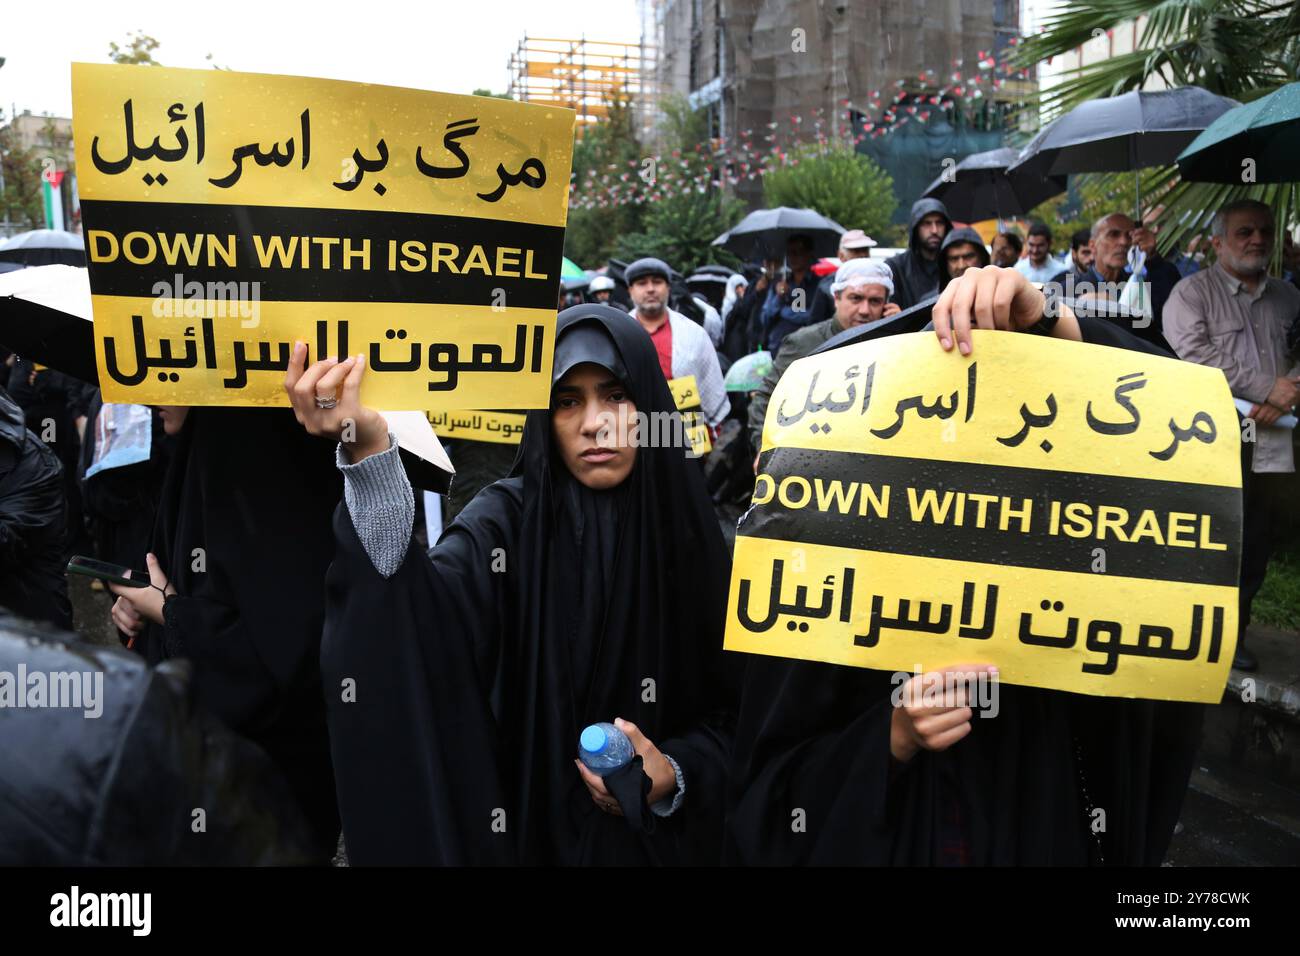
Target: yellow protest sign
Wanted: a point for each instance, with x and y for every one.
(686, 396)
(500, 427)
(229, 214)
(1068, 512)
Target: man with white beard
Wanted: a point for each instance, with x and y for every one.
(1234, 316)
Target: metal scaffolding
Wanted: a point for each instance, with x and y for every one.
(581, 75)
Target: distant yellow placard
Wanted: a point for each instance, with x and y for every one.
(499, 427)
(431, 223)
(1068, 512)
(686, 396)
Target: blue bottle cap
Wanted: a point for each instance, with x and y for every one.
(592, 739)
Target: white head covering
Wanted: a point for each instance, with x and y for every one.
(857, 272)
(733, 283)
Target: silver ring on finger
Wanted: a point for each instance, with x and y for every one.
(328, 401)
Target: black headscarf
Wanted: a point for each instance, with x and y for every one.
(545, 606)
(243, 533)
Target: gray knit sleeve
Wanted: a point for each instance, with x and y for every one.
(667, 807)
(382, 505)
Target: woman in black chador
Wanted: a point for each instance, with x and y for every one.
(588, 585)
(240, 548)
(828, 769)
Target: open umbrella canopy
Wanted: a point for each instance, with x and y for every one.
(747, 372)
(919, 317)
(45, 316)
(716, 270)
(570, 270)
(706, 278)
(1263, 136)
(1122, 133)
(42, 247)
(765, 232)
(979, 187)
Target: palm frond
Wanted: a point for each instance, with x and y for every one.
(1242, 49)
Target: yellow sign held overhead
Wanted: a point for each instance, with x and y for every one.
(1070, 513)
(229, 214)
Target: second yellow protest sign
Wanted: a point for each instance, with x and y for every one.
(502, 428)
(229, 214)
(1068, 512)
(686, 397)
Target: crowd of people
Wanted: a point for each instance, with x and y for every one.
(425, 697)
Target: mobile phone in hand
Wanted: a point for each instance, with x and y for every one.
(114, 573)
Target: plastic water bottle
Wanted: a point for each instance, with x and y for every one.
(603, 748)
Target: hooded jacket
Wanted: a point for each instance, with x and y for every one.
(916, 277)
(964, 234)
(33, 518)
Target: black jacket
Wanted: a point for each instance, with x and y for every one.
(32, 523)
(916, 277)
(115, 777)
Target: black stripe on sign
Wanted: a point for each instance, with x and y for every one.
(317, 284)
(1036, 548)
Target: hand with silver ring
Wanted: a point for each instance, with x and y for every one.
(326, 399)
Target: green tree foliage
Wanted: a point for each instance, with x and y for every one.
(22, 198)
(1242, 49)
(837, 182)
(680, 229)
(138, 50)
(592, 233)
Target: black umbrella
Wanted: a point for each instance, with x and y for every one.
(918, 319)
(45, 316)
(914, 319)
(44, 247)
(765, 232)
(715, 270)
(1121, 133)
(979, 187)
